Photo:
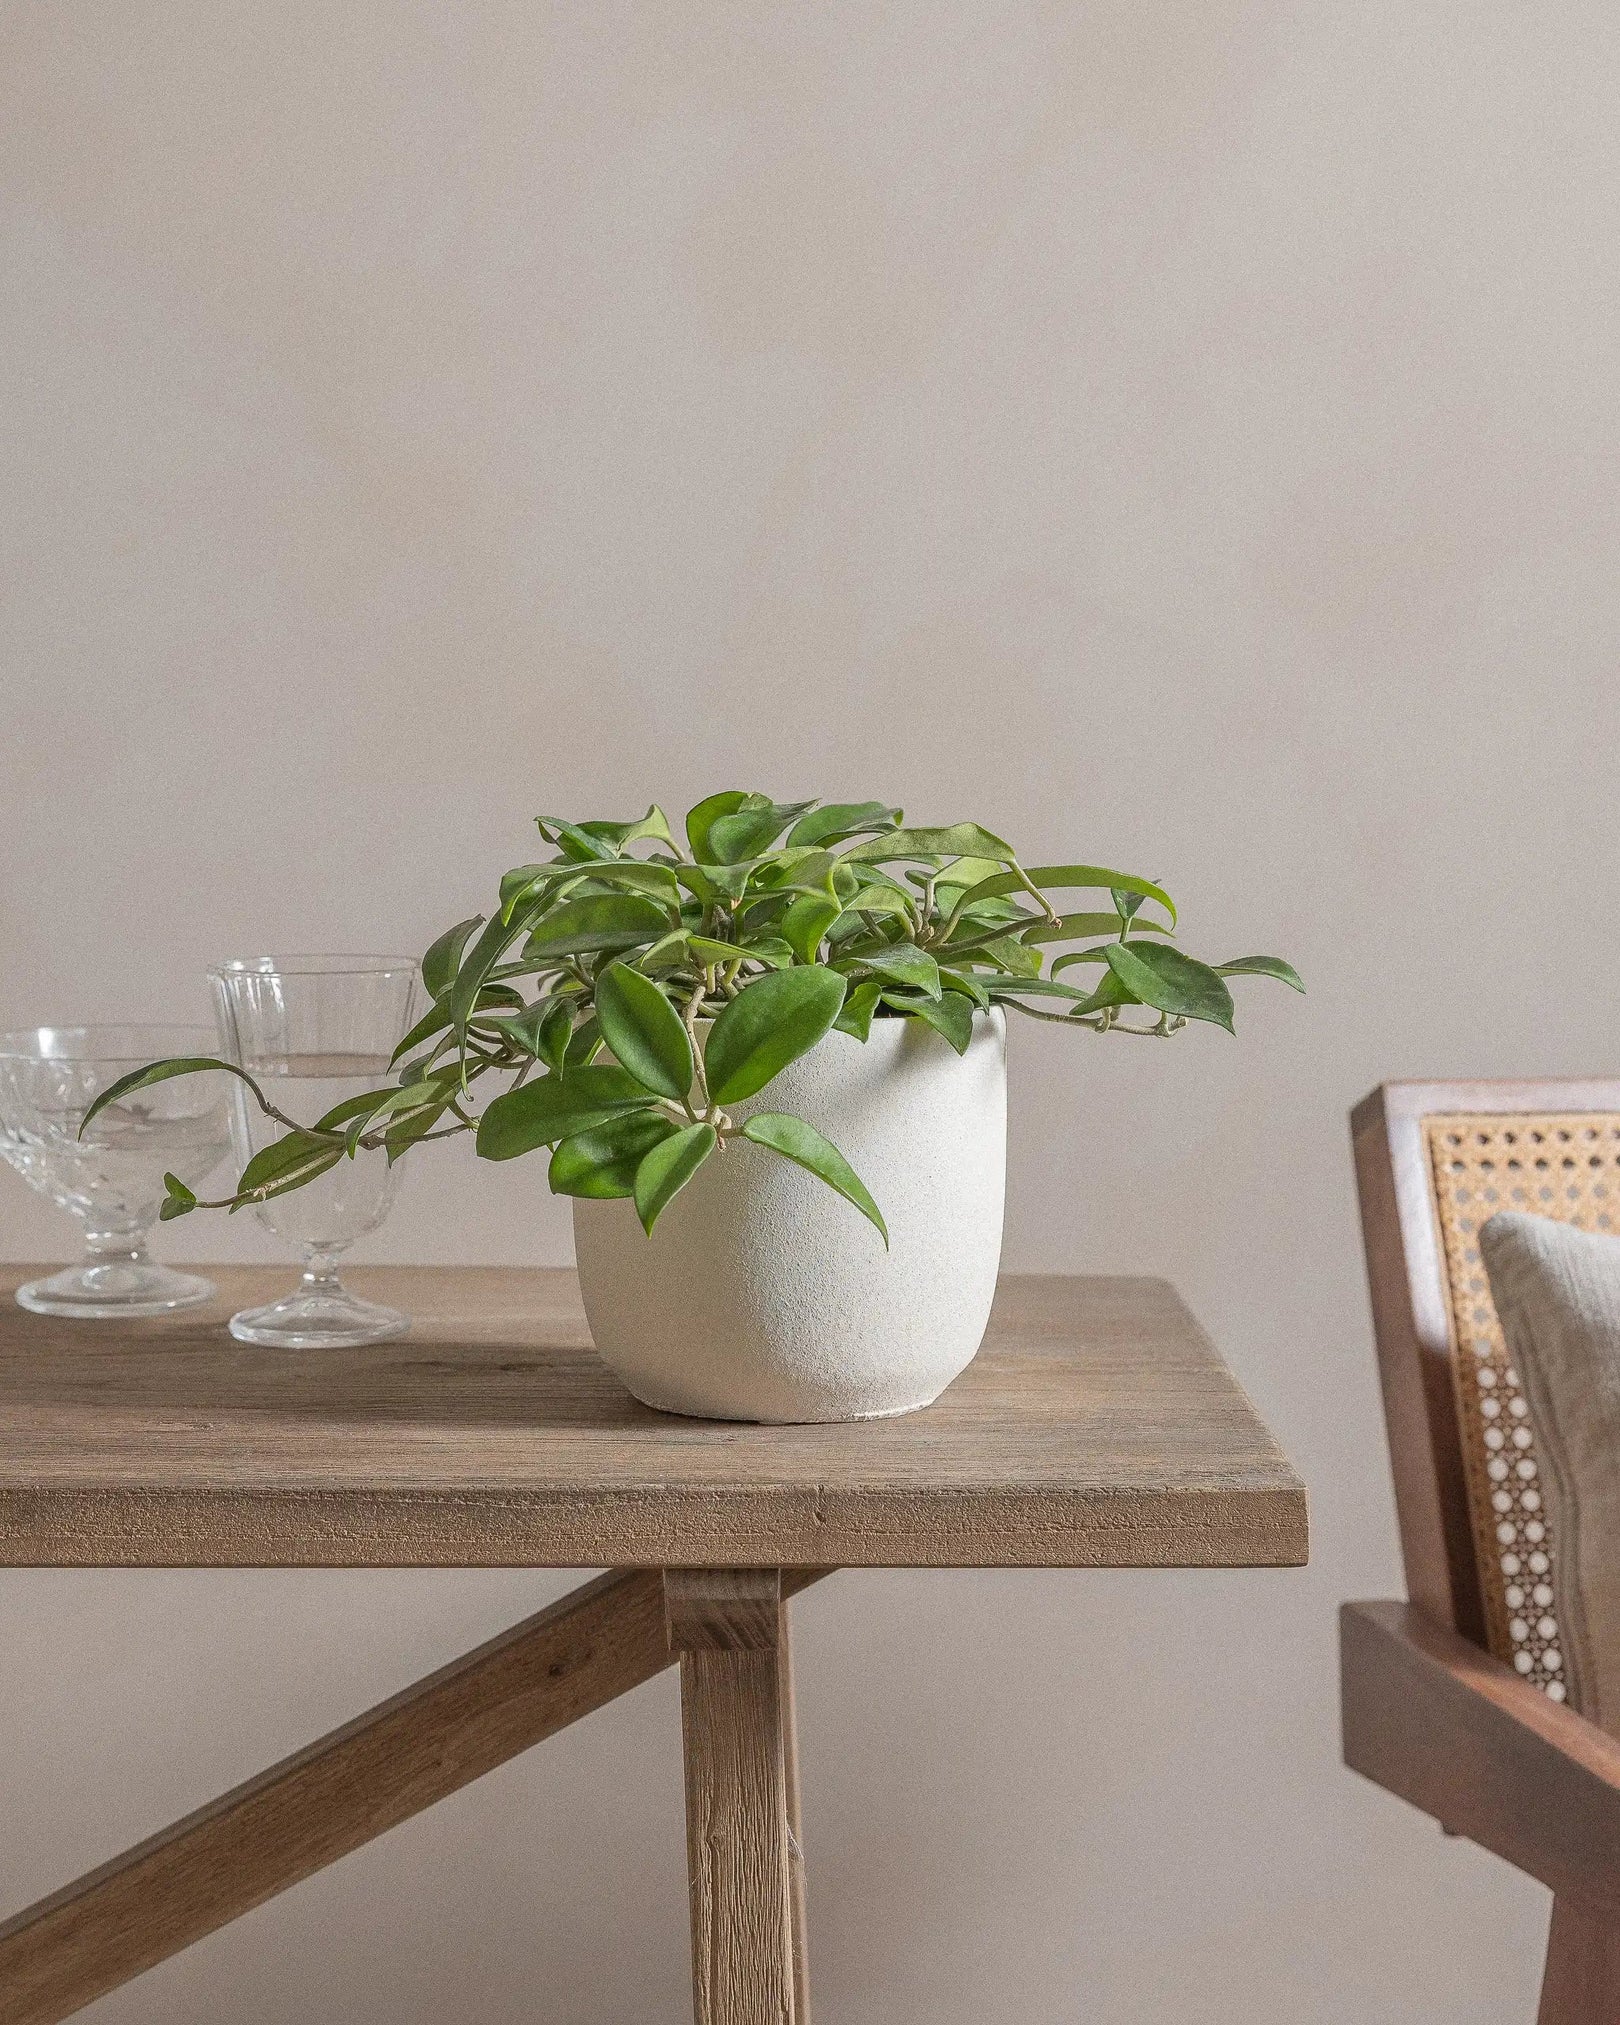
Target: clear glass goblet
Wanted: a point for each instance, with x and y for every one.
(312, 1031)
(112, 1179)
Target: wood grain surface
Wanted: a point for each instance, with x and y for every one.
(1097, 1428)
(797, 1891)
(1582, 1983)
(727, 1624)
(1431, 1716)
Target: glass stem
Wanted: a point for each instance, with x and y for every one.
(321, 1273)
(115, 1248)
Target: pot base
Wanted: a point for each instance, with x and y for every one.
(834, 1419)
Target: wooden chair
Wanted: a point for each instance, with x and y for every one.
(1453, 1700)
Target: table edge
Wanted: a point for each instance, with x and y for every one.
(1251, 1526)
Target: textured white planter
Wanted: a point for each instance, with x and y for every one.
(763, 1295)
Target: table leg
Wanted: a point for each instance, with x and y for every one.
(790, 1754)
(727, 1626)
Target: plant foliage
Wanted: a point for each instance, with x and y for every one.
(629, 989)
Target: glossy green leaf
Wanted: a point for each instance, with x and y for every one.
(973, 920)
(630, 875)
(830, 825)
(601, 921)
(540, 1030)
(753, 826)
(666, 1170)
(434, 1021)
(644, 1031)
(770, 949)
(162, 1072)
(285, 1164)
(708, 950)
(430, 1063)
(1008, 953)
(850, 928)
(601, 1164)
(964, 981)
(574, 842)
(700, 820)
(876, 897)
(524, 880)
(653, 827)
(1072, 927)
(1004, 988)
(495, 999)
(1171, 981)
(1110, 992)
(770, 1023)
(179, 1200)
(443, 958)
(950, 883)
(714, 885)
(668, 953)
(429, 1094)
(859, 1006)
(958, 840)
(806, 921)
(804, 1145)
(520, 1030)
(903, 963)
(583, 1043)
(1262, 966)
(399, 1137)
(710, 954)
(496, 937)
(361, 1106)
(527, 883)
(794, 872)
(556, 1030)
(550, 1108)
(1048, 877)
(951, 1014)
(1059, 876)
(1002, 944)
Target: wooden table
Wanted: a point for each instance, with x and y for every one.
(1097, 1428)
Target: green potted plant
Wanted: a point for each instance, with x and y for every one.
(767, 1060)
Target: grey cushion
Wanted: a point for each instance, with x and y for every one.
(1557, 1291)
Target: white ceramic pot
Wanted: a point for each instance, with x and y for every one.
(763, 1295)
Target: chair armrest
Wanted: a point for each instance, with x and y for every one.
(1436, 1720)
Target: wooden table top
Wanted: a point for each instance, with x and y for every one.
(1097, 1428)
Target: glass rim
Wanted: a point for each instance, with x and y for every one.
(91, 1043)
(312, 966)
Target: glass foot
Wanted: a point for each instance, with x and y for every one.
(330, 1318)
(122, 1288)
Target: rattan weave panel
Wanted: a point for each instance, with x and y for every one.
(1565, 1166)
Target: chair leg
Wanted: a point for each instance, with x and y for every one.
(1582, 1981)
(727, 1626)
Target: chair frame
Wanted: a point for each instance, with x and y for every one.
(1428, 1712)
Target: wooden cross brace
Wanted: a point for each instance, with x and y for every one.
(727, 1627)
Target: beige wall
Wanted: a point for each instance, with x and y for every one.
(1181, 433)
